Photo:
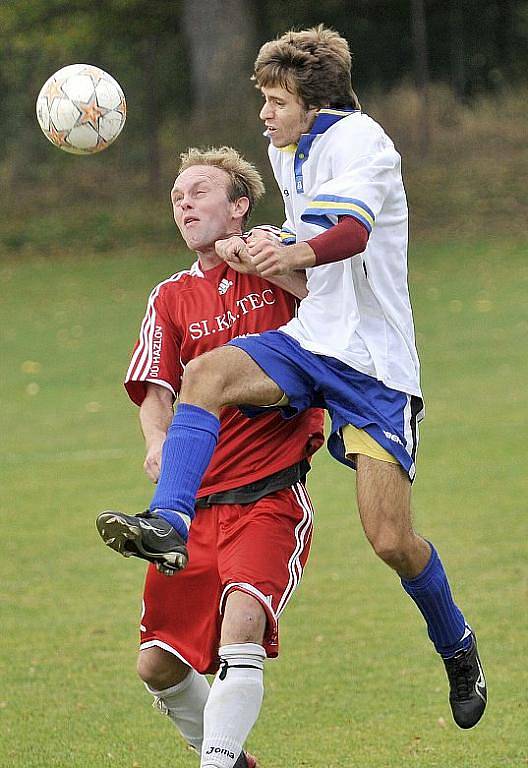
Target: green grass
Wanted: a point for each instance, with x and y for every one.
(357, 683)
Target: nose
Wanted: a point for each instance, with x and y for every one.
(266, 112)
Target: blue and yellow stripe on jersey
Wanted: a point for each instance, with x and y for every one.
(319, 210)
(287, 236)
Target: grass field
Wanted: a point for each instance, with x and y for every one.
(357, 683)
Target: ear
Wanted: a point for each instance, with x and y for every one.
(311, 114)
(240, 207)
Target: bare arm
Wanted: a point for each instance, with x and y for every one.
(272, 261)
(235, 252)
(155, 417)
(292, 282)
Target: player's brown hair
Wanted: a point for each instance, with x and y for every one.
(245, 180)
(314, 64)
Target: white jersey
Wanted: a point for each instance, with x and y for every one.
(357, 310)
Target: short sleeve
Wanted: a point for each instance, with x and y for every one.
(359, 185)
(156, 355)
(288, 235)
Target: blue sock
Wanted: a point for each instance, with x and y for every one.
(430, 591)
(191, 440)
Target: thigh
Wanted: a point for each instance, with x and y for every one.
(228, 376)
(180, 613)
(384, 496)
(295, 371)
(384, 501)
(263, 548)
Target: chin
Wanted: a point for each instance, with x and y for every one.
(189, 243)
(281, 143)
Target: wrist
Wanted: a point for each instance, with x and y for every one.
(154, 439)
(302, 255)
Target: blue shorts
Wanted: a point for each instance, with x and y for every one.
(390, 417)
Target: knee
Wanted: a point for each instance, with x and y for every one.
(203, 372)
(244, 620)
(160, 669)
(391, 546)
(195, 369)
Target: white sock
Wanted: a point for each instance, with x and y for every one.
(184, 704)
(233, 704)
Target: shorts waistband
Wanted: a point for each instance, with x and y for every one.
(248, 494)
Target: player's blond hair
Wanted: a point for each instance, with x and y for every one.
(245, 180)
(314, 64)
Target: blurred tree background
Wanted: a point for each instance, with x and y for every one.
(446, 78)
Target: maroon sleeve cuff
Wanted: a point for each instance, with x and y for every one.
(342, 241)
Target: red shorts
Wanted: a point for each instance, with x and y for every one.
(258, 548)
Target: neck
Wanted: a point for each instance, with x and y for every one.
(208, 256)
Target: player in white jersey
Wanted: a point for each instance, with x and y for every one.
(368, 321)
(351, 348)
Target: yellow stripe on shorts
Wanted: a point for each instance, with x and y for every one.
(282, 402)
(358, 441)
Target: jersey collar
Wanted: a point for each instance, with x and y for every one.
(325, 119)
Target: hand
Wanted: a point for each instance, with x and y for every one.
(271, 259)
(234, 252)
(152, 463)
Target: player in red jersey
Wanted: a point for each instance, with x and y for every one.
(252, 530)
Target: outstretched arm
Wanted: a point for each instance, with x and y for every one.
(155, 416)
(342, 241)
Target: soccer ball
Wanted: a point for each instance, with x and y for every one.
(81, 109)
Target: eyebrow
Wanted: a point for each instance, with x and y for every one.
(193, 186)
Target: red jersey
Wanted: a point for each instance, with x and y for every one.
(193, 312)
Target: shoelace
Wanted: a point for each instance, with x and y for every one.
(460, 676)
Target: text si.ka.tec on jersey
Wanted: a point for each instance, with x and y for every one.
(193, 312)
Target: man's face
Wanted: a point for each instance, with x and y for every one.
(201, 207)
(285, 116)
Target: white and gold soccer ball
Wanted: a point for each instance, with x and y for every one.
(81, 109)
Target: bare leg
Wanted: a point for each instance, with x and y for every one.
(160, 669)
(384, 493)
(236, 693)
(179, 692)
(384, 501)
(244, 619)
(227, 376)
